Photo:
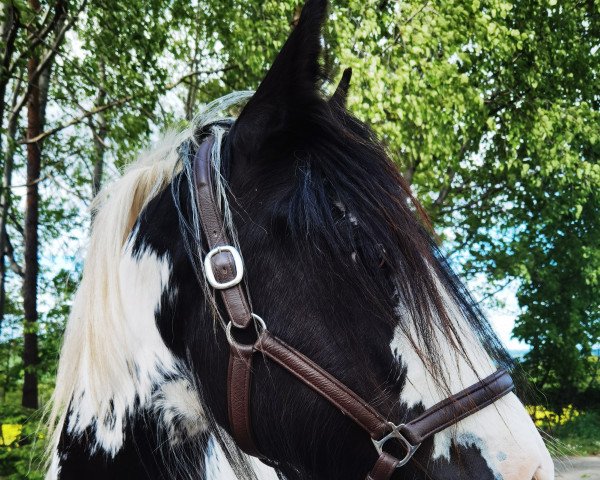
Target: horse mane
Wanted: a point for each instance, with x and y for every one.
(95, 357)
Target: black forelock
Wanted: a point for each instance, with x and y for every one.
(327, 184)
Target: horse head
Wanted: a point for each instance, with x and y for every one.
(340, 262)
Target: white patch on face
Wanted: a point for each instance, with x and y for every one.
(141, 353)
(503, 431)
(178, 407)
(217, 467)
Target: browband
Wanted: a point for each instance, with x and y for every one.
(224, 271)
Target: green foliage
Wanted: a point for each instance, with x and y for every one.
(491, 108)
(581, 436)
(22, 457)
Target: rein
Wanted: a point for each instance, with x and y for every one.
(224, 271)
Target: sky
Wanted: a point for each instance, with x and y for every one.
(502, 317)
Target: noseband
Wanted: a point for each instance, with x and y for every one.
(224, 271)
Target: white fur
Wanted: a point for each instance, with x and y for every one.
(98, 357)
(178, 406)
(54, 469)
(139, 358)
(503, 432)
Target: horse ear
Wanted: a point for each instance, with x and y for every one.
(290, 86)
(340, 96)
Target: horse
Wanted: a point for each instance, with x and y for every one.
(339, 260)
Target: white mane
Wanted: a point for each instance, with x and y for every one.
(106, 363)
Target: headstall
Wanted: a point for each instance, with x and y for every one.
(224, 270)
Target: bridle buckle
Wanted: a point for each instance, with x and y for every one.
(237, 261)
(397, 435)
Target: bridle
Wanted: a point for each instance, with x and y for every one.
(224, 272)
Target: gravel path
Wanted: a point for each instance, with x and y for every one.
(577, 468)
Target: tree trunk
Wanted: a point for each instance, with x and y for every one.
(9, 29)
(34, 156)
(36, 118)
(34, 159)
(5, 196)
(409, 173)
(99, 149)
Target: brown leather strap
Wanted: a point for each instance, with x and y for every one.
(453, 409)
(433, 420)
(238, 393)
(223, 265)
(384, 468)
(234, 299)
(324, 384)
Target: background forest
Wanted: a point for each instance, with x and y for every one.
(489, 107)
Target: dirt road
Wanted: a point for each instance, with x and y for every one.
(577, 468)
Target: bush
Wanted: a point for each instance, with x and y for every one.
(21, 444)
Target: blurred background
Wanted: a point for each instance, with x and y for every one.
(489, 107)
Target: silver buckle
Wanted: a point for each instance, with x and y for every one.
(395, 433)
(210, 274)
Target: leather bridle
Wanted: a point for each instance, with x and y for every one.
(224, 271)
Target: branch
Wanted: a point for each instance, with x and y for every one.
(47, 59)
(445, 190)
(97, 137)
(23, 185)
(77, 120)
(469, 205)
(412, 17)
(491, 294)
(9, 38)
(116, 103)
(441, 198)
(57, 182)
(16, 225)
(409, 173)
(36, 38)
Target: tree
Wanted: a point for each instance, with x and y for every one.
(38, 79)
(492, 110)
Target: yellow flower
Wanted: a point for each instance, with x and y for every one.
(10, 433)
(546, 418)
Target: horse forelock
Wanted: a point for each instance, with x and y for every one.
(341, 200)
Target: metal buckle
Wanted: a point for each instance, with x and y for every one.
(395, 433)
(210, 274)
(259, 324)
